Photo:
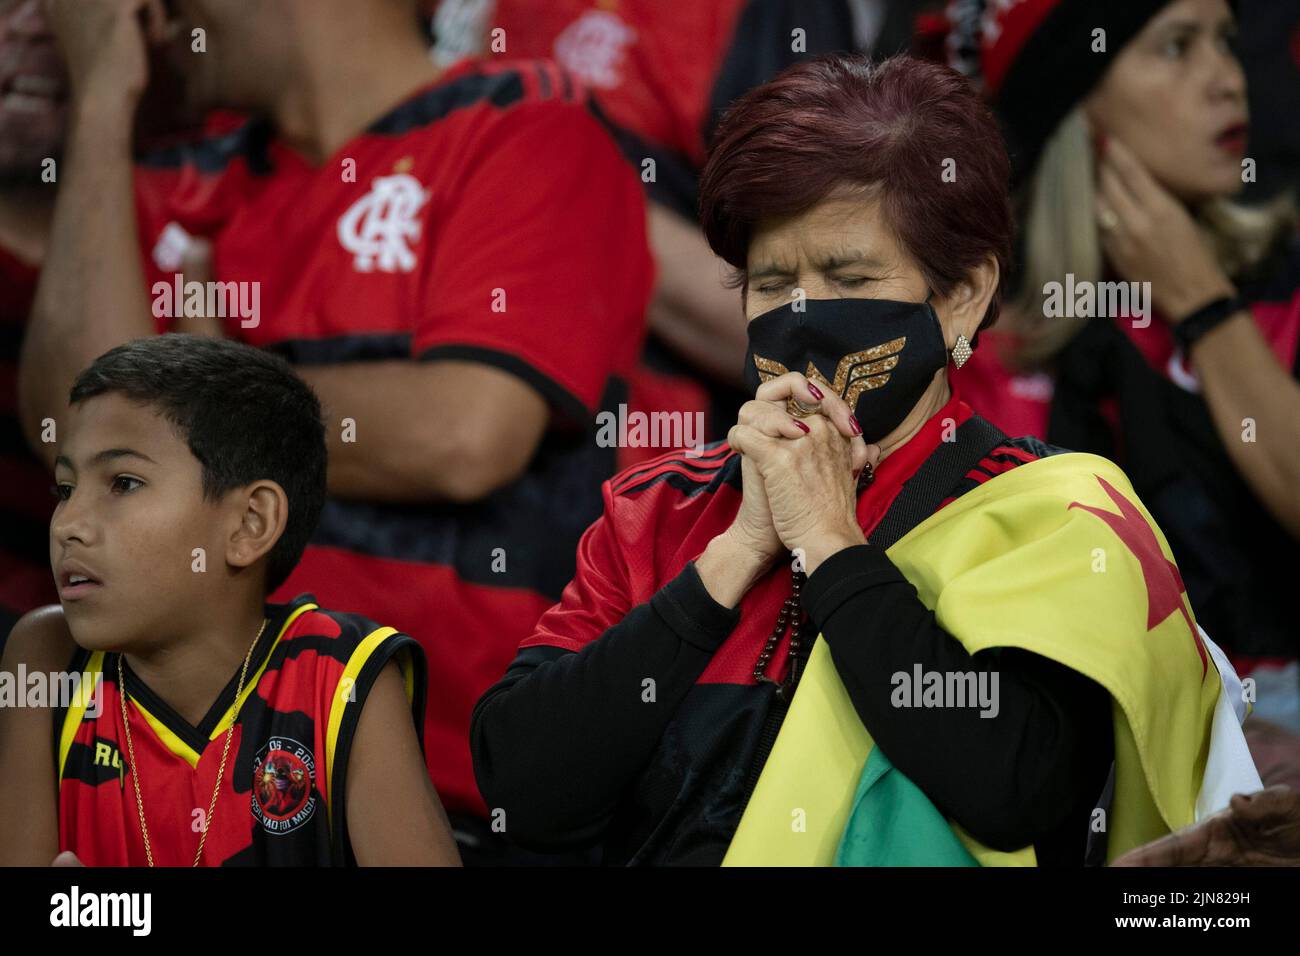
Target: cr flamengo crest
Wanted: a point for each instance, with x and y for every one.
(591, 48)
(381, 227)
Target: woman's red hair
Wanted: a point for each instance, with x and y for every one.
(841, 121)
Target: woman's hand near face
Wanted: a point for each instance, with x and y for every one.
(1154, 238)
(752, 526)
(810, 484)
(744, 552)
(768, 413)
(1149, 236)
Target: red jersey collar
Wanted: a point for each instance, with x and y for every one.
(902, 463)
(450, 73)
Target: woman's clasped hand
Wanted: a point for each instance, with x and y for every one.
(800, 474)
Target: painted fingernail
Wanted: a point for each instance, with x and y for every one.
(801, 425)
(853, 422)
(817, 392)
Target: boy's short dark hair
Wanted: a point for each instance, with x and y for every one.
(244, 413)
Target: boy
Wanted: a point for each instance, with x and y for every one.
(225, 731)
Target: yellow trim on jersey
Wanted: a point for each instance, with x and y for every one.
(183, 750)
(165, 734)
(228, 717)
(77, 710)
(344, 692)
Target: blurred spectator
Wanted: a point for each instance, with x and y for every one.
(663, 71)
(454, 259)
(1270, 54)
(33, 114)
(1127, 125)
(32, 111)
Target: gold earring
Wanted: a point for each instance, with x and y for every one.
(961, 352)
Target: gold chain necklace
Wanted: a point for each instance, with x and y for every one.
(221, 770)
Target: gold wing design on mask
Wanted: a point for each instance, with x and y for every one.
(855, 373)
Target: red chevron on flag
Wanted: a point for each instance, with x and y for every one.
(1163, 582)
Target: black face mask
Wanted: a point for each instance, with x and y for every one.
(876, 354)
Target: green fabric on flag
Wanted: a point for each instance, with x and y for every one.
(894, 824)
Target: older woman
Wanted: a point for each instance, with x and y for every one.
(654, 711)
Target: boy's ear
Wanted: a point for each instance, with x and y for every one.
(262, 509)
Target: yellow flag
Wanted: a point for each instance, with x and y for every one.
(1058, 557)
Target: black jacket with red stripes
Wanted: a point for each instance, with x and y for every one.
(630, 719)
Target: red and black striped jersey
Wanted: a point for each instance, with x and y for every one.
(282, 797)
(487, 218)
(666, 78)
(653, 75)
(663, 81)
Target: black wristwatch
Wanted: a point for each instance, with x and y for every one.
(1205, 318)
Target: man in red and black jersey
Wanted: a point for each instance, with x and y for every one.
(211, 727)
(454, 259)
(31, 135)
(33, 116)
(663, 74)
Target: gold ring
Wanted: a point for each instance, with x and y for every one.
(799, 410)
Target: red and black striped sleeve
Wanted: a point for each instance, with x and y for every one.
(558, 741)
(1011, 454)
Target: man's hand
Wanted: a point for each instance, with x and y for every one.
(1257, 829)
(91, 296)
(104, 44)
